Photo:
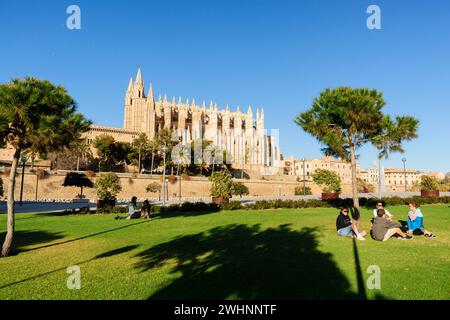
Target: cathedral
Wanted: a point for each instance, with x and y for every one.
(242, 135)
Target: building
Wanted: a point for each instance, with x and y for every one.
(437, 175)
(396, 179)
(242, 135)
(292, 166)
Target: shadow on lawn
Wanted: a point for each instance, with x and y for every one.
(27, 238)
(45, 237)
(100, 256)
(249, 263)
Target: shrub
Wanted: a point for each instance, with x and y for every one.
(299, 191)
(239, 189)
(222, 184)
(154, 187)
(80, 180)
(108, 187)
(429, 183)
(230, 205)
(328, 180)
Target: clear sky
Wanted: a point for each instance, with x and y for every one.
(277, 55)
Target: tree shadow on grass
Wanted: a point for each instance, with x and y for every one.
(245, 262)
(23, 239)
(106, 254)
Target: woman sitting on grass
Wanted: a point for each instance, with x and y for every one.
(415, 222)
(383, 228)
(133, 211)
(347, 227)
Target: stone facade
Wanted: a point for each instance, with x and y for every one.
(294, 167)
(242, 135)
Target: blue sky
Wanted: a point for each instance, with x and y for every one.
(277, 55)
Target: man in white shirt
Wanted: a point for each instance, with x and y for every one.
(379, 205)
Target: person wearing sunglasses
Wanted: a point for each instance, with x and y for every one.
(379, 206)
(347, 227)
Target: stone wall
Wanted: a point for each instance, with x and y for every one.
(50, 187)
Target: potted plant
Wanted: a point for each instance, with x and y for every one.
(80, 180)
(429, 187)
(107, 187)
(330, 183)
(222, 186)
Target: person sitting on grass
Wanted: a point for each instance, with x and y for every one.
(347, 227)
(145, 210)
(383, 228)
(379, 206)
(415, 222)
(133, 211)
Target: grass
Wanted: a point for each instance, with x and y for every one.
(285, 253)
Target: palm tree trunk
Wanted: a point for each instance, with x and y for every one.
(78, 163)
(151, 167)
(139, 162)
(10, 206)
(354, 178)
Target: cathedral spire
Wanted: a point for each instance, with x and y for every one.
(139, 77)
(249, 111)
(130, 85)
(150, 93)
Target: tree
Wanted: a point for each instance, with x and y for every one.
(153, 149)
(81, 150)
(239, 189)
(345, 119)
(222, 184)
(364, 186)
(328, 180)
(113, 154)
(140, 147)
(429, 183)
(154, 187)
(39, 116)
(107, 187)
(80, 180)
(1, 187)
(300, 192)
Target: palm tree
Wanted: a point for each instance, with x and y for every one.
(153, 149)
(141, 146)
(81, 149)
(35, 115)
(345, 119)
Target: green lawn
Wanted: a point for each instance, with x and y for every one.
(286, 253)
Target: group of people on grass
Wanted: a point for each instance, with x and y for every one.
(134, 212)
(383, 227)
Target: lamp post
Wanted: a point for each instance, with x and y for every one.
(164, 149)
(179, 162)
(37, 185)
(404, 170)
(379, 179)
(304, 181)
(24, 161)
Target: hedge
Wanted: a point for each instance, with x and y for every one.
(272, 204)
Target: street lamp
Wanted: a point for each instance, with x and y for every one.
(37, 185)
(404, 170)
(24, 161)
(179, 162)
(164, 149)
(304, 181)
(379, 179)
